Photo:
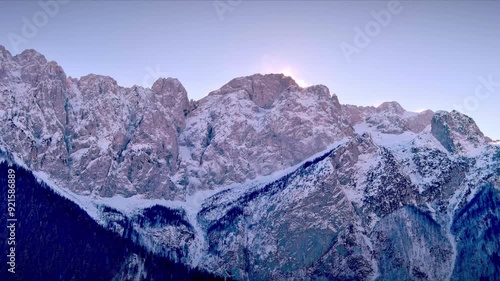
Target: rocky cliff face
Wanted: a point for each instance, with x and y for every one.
(456, 131)
(389, 118)
(89, 134)
(254, 126)
(261, 179)
(95, 137)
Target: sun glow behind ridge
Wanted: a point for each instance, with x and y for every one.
(288, 72)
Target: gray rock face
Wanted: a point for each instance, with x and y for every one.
(455, 130)
(297, 226)
(263, 90)
(232, 135)
(89, 134)
(410, 245)
(476, 226)
(388, 118)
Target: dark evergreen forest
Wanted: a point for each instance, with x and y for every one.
(57, 240)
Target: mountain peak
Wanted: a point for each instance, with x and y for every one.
(92, 84)
(4, 53)
(172, 94)
(262, 89)
(164, 84)
(391, 106)
(455, 130)
(30, 55)
(98, 78)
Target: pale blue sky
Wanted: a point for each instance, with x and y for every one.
(430, 55)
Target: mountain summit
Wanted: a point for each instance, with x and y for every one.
(95, 137)
(261, 179)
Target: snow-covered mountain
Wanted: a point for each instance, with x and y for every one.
(261, 179)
